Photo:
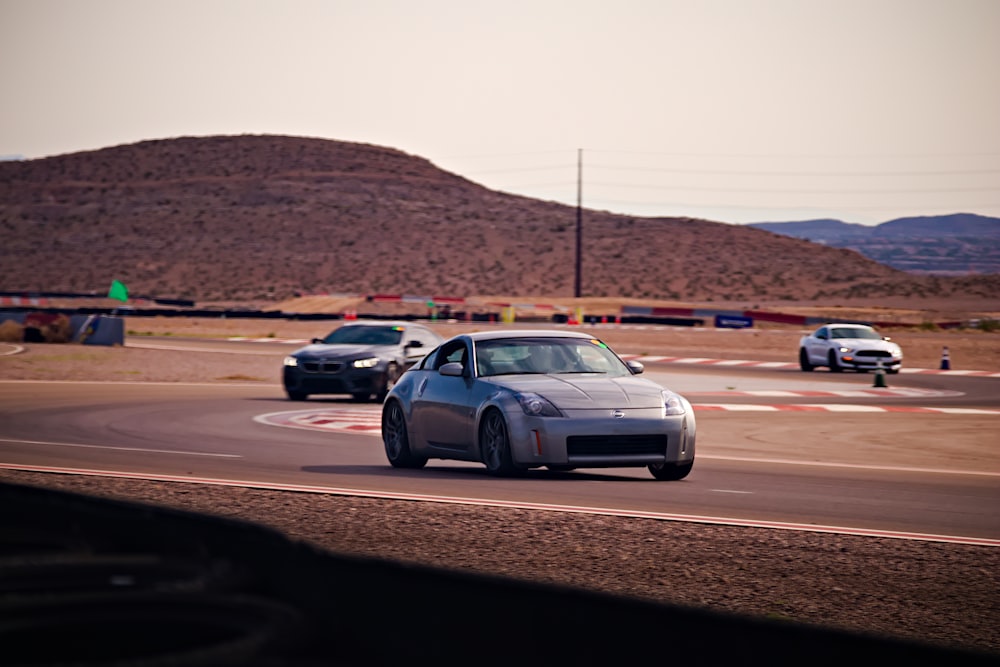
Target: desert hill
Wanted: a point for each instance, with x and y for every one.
(263, 218)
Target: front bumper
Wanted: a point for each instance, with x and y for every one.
(870, 363)
(345, 381)
(585, 440)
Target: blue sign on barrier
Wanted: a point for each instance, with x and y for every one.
(733, 322)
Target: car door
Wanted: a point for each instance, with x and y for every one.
(441, 405)
(818, 344)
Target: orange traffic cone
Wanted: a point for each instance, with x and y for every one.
(945, 361)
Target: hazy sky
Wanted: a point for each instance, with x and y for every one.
(731, 110)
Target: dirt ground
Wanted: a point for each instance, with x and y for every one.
(968, 349)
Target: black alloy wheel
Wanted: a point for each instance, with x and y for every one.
(397, 440)
(835, 367)
(388, 382)
(494, 445)
(804, 361)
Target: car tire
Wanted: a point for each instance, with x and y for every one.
(396, 439)
(670, 472)
(804, 361)
(296, 395)
(494, 445)
(834, 365)
(388, 382)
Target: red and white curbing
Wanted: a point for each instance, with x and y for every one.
(702, 361)
(835, 407)
(369, 421)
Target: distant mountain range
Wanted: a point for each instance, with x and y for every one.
(957, 244)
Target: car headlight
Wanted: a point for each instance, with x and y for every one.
(536, 406)
(291, 361)
(844, 350)
(370, 362)
(672, 404)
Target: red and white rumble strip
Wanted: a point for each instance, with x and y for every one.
(700, 361)
(369, 421)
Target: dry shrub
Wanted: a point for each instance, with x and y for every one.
(11, 332)
(47, 328)
(59, 330)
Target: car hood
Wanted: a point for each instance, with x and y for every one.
(581, 392)
(340, 350)
(866, 344)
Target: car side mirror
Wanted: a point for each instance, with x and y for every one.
(635, 366)
(414, 343)
(317, 340)
(886, 338)
(452, 369)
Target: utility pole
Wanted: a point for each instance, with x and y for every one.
(579, 221)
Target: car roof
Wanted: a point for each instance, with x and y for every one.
(527, 333)
(383, 323)
(849, 324)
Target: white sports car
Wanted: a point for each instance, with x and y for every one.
(856, 346)
(515, 400)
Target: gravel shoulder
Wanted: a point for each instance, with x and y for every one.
(943, 594)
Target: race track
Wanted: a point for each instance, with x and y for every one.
(776, 447)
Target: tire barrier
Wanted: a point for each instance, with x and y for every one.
(214, 591)
(56, 326)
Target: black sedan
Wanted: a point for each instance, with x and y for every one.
(363, 359)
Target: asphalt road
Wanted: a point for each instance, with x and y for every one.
(846, 459)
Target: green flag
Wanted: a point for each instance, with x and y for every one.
(118, 291)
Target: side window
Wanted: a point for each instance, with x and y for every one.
(822, 333)
(427, 361)
(454, 351)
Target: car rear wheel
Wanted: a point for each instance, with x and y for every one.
(388, 382)
(494, 445)
(670, 472)
(804, 361)
(397, 440)
(835, 367)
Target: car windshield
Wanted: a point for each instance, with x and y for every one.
(854, 332)
(504, 356)
(360, 334)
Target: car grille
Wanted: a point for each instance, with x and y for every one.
(873, 353)
(322, 366)
(616, 445)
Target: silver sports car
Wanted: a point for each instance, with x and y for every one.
(515, 400)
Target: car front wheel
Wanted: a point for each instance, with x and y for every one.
(804, 361)
(670, 472)
(397, 440)
(297, 395)
(494, 445)
(388, 382)
(835, 366)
